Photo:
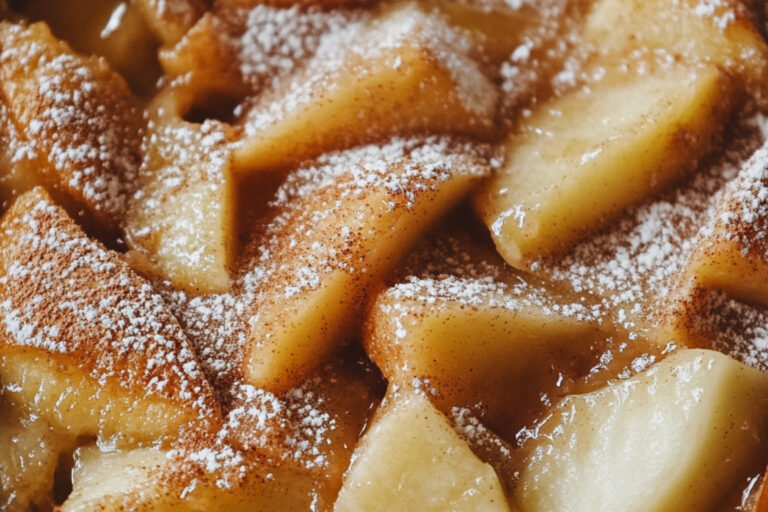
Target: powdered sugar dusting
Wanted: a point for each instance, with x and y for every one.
(633, 267)
(719, 11)
(743, 216)
(440, 272)
(64, 293)
(76, 115)
(735, 328)
(317, 226)
(365, 41)
(271, 42)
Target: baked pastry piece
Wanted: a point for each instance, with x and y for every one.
(379, 255)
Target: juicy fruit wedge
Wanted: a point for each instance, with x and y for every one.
(170, 19)
(719, 33)
(28, 459)
(337, 226)
(477, 332)
(729, 259)
(204, 60)
(146, 479)
(75, 125)
(181, 219)
(430, 85)
(678, 437)
(84, 341)
(101, 480)
(412, 459)
(498, 29)
(228, 470)
(584, 157)
(115, 30)
(733, 257)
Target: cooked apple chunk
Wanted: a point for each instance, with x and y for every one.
(477, 332)
(584, 157)
(337, 225)
(420, 80)
(677, 437)
(411, 459)
(86, 342)
(152, 480)
(273, 453)
(103, 480)
(500, 28)
(28, 459)
(170, 19)
(76, 122)
(733, 256)
(208, 57)
(728, 263)
(719, 33)
(113, 29)
(181, 218)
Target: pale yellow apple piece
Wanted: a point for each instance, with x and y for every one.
(105, 481)
(285, 4)
(171, 19)
(76, 124)
(411, 459)
(181, 218)
(17, 175)
(403, 73)
(677, 437)
(732, 256)
(720, 33)
(113, 29)
(28, 459)
(728, 259)
(584, 157)
(337, 226)
(477, 332)
(84, 341)
(308, 434)
(151, 480)
(497, 29)
(206, 57)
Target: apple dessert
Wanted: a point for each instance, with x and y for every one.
(369, 255)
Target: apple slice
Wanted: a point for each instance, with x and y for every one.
(477, 331)
(181, 218)
(403, 73)
(411, 459)
(86, 342)
(115, 30)
(148, 479)
(337, 225)
(77, 124)
(28, 459)
(728, 260)
(497, 28)
(562, 181)
(273, 453)
(677, 437)
(732, 256)
(720, 33)
(206, 57)
(171, 19)
(100, 480)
